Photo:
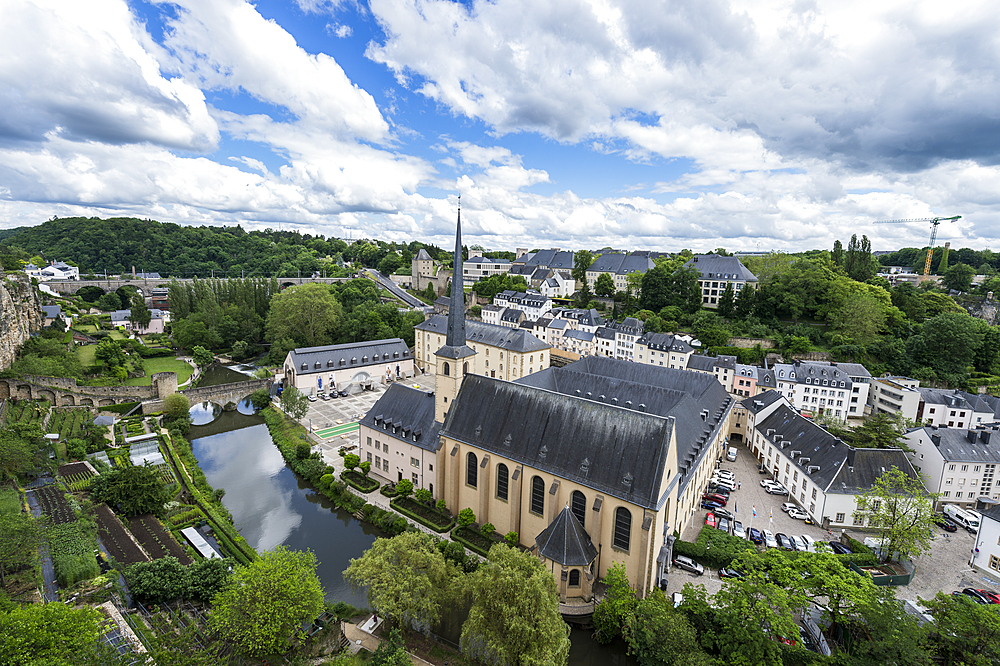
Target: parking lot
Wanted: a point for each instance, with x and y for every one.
(944, 569)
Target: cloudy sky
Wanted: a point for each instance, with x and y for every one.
(569, 123)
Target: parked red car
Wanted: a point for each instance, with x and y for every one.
(715, 497)
(710, 520)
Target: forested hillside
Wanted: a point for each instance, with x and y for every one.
(117, 245)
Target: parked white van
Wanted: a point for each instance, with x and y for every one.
(960, 517)
(731, 455)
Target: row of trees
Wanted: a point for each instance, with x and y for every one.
(514, 616)
(751, 620)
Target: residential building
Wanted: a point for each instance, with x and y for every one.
(823, 474)
(548, 330)
(626, 333)
(814, 387)
(158, 319)
(52, 313)
(578, 342)
(959, 464)
(716, 272)
(399, 437)
(956, 409)
(986, 554)
(160, 298)
(723, 368)
(894, 395)
(619, 267)
(557, 284)
(478, 267)
(751, 380)
(506, 353)
(311, 369)
(58, 270)
(605, 342)
(662, 349)
(554, 259)
(491, 314)
(533, 304)
(511, 318)
(578, 319)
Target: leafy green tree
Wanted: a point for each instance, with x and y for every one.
(881, 431)
(406, 578)
(308, 314)
(49, 634)
(963, 633)
(110, 353)
(109, 302)
(423, 495)
(860, 318)
(948, 344)
(139, 314)
(835, 589)
(667, 285)
(294, 403)
(512, 539)
(164, 579)
(902, 509)
(838, 253)
(132, 490)
(351, 461)
(267, 602)
(613, 613)
(22, 535)
(604, 285)
(958, 277)
(404, 488)
(582, 260)
(366, 467)
(391, 652)
(727, 301)
(658, 634)
(466, 517)
(176, 406)
(201, 356)
(260, 399)
(514, 617)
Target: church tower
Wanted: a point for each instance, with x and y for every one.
(453, 359)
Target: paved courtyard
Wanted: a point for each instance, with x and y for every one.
(333, 423)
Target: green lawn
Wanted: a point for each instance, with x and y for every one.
(166, 364)
(85, 328)
(117, 335)
(87, 355)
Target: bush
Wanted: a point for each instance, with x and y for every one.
(442, 505)
(487, 529)
(423, 495)
(325, 481)
(511, 539)
(425, 515)
(466, 517)
(302, 450)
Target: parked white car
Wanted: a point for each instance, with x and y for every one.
(797, 513)
(797, 543)
(769, 540)
(738, 530)
(723, 483)
(809, 542)
(725, 473)
(789, 505)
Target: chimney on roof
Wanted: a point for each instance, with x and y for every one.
(936, 439)
(984, 436)
(971, 436)
(850, 457)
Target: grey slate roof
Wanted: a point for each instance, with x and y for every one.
(703, 363)
(664, 342)
(617, 451)
(511, 315)
(622, 264)
(407, 415)
(422, 255)
(714, 267)
(757, 403)
(816, 371)
(521, 269)
(956, 399)
(665, 392)
(566, 542)
(981, 445)
(589, 317)
(556, 259)
(605, 333)
(513, 339)
(572, 333)
(309, 360)
(865, 466)
(51, 311)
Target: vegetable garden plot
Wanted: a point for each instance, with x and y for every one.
(155, 539)
(116, 538)
(53, 504)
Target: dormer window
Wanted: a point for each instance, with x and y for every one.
(354, 360)
(395, 354)
(364, 359)
(305, 366)
(317, 365)
(343, 362)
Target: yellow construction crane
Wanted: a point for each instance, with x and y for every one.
(935, 221)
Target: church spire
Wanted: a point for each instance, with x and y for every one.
(456, 310)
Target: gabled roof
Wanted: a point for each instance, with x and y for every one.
(622, 264)
(703, 363)
(818, 454)
(715, 267)
(309, 360)
(566, 542)
(980, 445)
(557, 259)
(423, 256)
(758, 403)
(617, 451)
(407, 415)
(664, 342)
(511, 339)
(51, 311)
(865, 466)
(575, 334)
(512, 315)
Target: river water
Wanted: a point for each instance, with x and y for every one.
(272, 506)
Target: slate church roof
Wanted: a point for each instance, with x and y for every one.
(566, 542)
(406, 414)
(616, 451)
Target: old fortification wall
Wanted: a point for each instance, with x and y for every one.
(20, 315)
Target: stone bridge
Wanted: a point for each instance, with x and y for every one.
(145, 286)
(64, 392)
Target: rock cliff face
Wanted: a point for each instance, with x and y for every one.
(20, 315)
(986, 309)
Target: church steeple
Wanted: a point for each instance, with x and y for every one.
(454, 358)
(456, 310)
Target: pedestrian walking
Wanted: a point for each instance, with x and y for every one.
(739, 484)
